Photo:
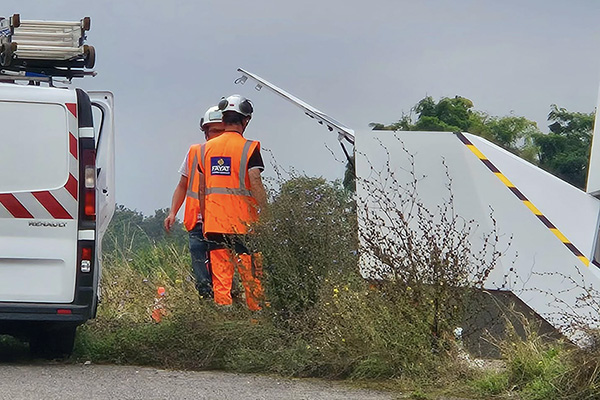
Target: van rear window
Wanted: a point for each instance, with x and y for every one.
(34, 140)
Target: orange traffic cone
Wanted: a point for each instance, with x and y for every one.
(158, 309)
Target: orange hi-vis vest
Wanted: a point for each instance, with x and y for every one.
(229, 206)
(192, 204)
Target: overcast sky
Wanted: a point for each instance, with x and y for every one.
(358, 61)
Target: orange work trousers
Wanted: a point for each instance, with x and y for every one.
(223, 262)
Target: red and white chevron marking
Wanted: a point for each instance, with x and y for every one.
(60, 203)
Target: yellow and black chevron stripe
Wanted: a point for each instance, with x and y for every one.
(524, 199)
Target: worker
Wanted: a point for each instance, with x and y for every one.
(232, 200)
(187, 188)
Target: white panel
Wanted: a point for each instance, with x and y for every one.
(105, 160)
(33, 280)
(36, 94)
(572, 211)
(38, 257)
(540, 260)
(86, 235)
(38, 260)
(86, 133)
(34, 151)
(4, 212)
(593, 180)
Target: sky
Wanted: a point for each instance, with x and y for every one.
(360, 62)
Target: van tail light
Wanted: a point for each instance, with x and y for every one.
(89, 182)
(86, 259)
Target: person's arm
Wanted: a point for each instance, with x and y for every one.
(176, 202)
(201, 192)
(257, 188)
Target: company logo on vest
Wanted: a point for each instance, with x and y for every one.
(220, 165)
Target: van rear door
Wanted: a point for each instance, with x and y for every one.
(38, 194)
(102, 102)
(102, 105)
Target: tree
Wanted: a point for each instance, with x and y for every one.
(349, 181)
(129, 230)
(512, 133)
(565, 151)
(449, 114)
(457, 114)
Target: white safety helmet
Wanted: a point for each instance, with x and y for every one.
(213, 115)
(237, 103)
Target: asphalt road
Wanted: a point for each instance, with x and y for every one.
(49, 381)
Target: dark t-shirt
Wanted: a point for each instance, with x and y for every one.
(256, 160)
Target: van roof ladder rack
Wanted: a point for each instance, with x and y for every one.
(44, 49)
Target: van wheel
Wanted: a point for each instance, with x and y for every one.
(52, 342)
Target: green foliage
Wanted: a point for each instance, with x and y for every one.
(537, 369)
(130, 231)
(565, 151)
(457, 114)
(449, 114)
(311, 231)
(581, 379)
(534, 369)
(512, 133)
(349, 181)
(420, 254)
(492, 384)
(324, 320)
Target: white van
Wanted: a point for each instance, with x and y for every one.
(56, 200)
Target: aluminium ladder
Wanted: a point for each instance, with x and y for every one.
(45, 48)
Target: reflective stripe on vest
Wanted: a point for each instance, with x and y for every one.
(192, 203)
(192, 175)
(202, 150)
(234, 191)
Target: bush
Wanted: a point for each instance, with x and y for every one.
(311, 233)
(325, 319)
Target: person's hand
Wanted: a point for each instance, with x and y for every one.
(169, 221)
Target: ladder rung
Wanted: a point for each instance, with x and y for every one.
(49, 53)
(21, 47)
(56, 24)
(46, 44)
(35, 40)
(47, 34)
(48, 56)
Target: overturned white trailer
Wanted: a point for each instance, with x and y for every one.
(545, 230)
